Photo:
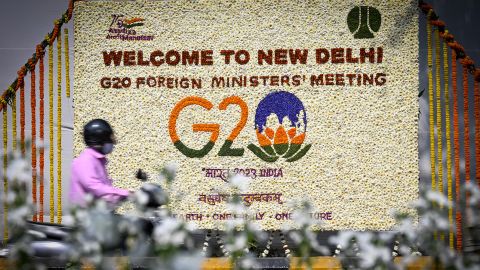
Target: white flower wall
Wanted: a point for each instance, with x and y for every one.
(363, 158)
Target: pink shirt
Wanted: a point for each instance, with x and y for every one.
(89, 175)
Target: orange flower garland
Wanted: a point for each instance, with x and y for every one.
(41, 67)
(456, 135)
(465, 62)
(33, 137)
(14, 123)
(50, 118)
(21, 84)
(477, 124)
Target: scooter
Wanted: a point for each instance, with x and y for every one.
(51, 243)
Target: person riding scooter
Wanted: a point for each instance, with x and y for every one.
(89, 172)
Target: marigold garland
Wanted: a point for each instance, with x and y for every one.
(477, 127)
(22, 109)
(50, 118)
(448, 142)
(33, 137)
(14, 123)
(42, 117)
(438, 90)
(456, 135)
(9, 94)
(5, 180)
(430, 106)
(465, 63)
(67, 64)
(59, 128)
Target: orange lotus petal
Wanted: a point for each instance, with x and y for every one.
(270, 133)
(263, 140)
(292, 132)
(280, 136)
(298, 139)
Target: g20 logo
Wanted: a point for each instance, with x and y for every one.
(280, 126)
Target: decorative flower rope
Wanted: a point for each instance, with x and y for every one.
(465, 62)
(476, 91)
(458, 52)
(221, 244)
(396, 247)
(456, 148)
(432, 17)
(285, 245)
(33, 137)
(14, 124)
(208, 236)
(67, 64)
(21, 84)
(438, 93)
(268, 246)
(5, 180)
(430, 106)
(59, 128)
(8, 95)
(448, 141)
(41, 67)
(50, 118)
(337, 251)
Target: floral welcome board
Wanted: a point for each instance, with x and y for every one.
(309, 100)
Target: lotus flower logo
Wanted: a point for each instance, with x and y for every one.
(280, 125)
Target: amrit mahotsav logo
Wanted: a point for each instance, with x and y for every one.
(125, 29)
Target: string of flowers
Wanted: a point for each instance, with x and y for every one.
(456, 135)
(438, 90)
(465, 62)
(458, 52)
(14, 124)
(33, 137)
(59, 127)
(476, 91)
(5, 181)
(41, 68)
(67, 64)
(9, 97)
(9, 94)
(448, 142)
(50, 118)
(430, 105)
(433, 19)
(21, 84)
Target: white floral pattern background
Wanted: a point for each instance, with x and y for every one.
(364, 155)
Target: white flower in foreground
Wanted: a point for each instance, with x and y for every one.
(172, 232)
(240, 182)
(239, 243)
(19, 169)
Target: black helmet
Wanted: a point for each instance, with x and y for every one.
(98, 132)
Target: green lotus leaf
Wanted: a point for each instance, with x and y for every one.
(262, 155)
(292, 150)
(300, 154)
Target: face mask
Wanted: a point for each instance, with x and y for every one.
(107, 148)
